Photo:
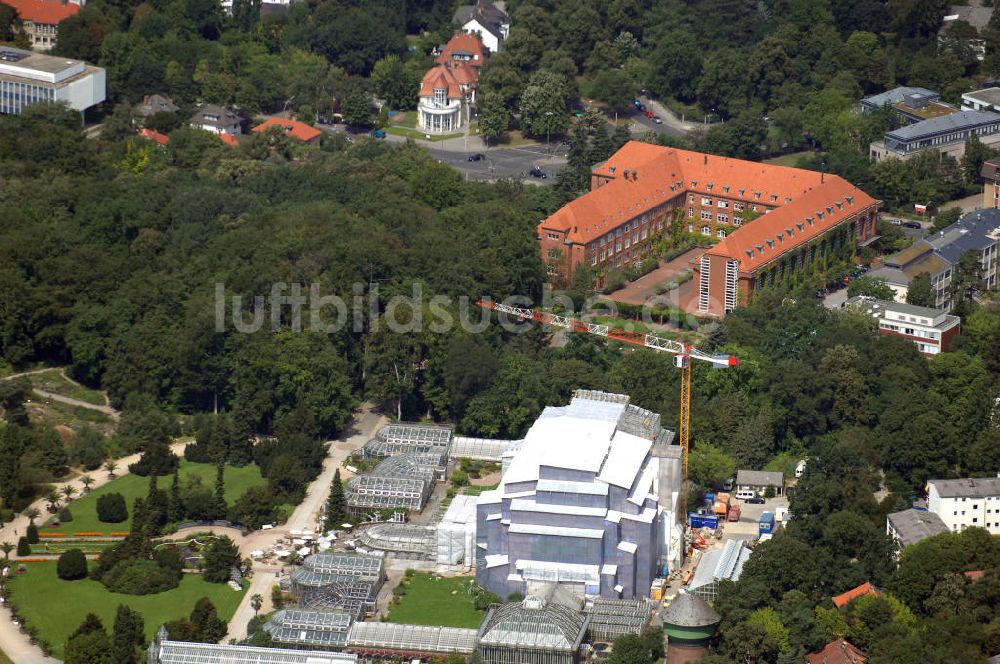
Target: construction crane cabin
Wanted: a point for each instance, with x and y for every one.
(683, 354)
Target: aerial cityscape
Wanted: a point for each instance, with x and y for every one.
(499, 331)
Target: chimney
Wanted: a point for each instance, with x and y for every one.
(706, 159)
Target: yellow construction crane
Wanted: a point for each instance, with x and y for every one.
(683, 354)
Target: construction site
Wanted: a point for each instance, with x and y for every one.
(586, 522)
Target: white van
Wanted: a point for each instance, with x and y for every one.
(745, 494)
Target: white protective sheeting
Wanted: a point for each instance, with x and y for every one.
(456, 533)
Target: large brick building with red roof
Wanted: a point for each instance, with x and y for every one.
(770, 221)
(40, 19)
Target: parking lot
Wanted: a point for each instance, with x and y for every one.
(747, 527)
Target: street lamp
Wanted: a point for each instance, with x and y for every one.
(548, 130)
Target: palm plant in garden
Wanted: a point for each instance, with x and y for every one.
(68, 491)
(111, 467)
(86, 481)
(32, 513)
(53, 499)
(7, 548)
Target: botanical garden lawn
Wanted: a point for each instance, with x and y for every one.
(4, 659)
(429, 601)
(56, 607)
(84, 509)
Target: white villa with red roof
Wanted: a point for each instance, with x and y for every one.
(448, 90)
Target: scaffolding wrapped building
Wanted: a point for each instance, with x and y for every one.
(386, 640)
(394, 439)
(456, 533)
(310, 630)
(481, 449)
(590, 499)
(542, 629)
(402, 482)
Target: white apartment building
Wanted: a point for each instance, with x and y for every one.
(930, 330)
(967, 502)
(28, 78)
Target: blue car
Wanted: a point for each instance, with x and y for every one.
(377, 133)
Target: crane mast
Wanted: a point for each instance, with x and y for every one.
(683, 354)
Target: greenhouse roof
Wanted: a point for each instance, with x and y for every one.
(482, 449)
(534, 624)
(412, 638)
(310, 628)
(182, 652)
(325, 568)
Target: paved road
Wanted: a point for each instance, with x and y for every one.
(305, 517)
(107, 410)
(500, 162)
(506, 162)
(671, 125)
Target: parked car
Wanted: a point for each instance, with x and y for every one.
(642, 108)
(821, 293)
(479, 156)
(756, 500)
(896, 222)
(649, 114)
(657, 120)
(637, 103)
(912, 224)
(377, 133)
(538, 173)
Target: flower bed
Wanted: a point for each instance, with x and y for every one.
(52, 534)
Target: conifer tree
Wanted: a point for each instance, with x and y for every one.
(220, 491)
(175, 506)
(336, 504)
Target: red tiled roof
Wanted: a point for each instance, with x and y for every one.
(48, 12)
(156, 136)
(228, 139)
(838, 652)
(975, 576)
(293, 128)
(864, 589)
(657, 174)
(463, 41)
(442, 76)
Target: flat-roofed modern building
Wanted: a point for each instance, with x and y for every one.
(589, 501)
(966, 502)
(912, 525)
(931, 330)
(910, 104)
(33, 78)
(946, 134)
(987, 99)
(937, 254)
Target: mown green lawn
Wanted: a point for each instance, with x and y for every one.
(84, 509)
(4, 659)
(56, 607)
(787, 159)
(417, 134)
(434, 600)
